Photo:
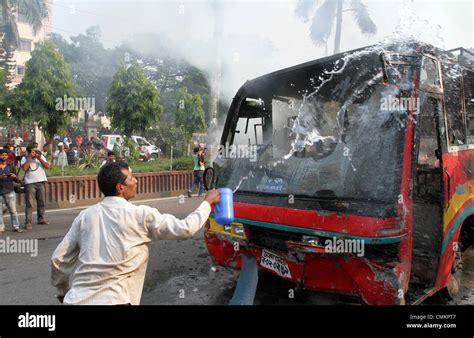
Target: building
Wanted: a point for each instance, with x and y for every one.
(27, 42)
(22, 54)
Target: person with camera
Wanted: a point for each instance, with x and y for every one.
(7, 192)
(35, 177)
(198, 171)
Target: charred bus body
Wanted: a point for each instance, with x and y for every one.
(363, 182)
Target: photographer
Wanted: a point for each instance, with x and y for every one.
(198, 172)
(7, 192)
(35, 177)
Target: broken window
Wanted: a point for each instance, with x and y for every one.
(428, 169)
(452, 84)
(429, 75)
(328, 129)
(469, 103)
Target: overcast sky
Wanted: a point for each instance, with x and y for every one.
(447, 24)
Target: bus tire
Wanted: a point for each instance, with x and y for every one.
(455, 277)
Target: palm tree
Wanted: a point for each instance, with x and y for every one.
(322, 19)
(34, 11)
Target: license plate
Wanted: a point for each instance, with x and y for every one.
(275, 263)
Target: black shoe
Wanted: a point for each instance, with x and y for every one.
(189, 193)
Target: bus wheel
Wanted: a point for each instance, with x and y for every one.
(454, 283)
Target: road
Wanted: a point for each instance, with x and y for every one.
(179, 272)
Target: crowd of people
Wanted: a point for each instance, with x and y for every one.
(29, 164)
(80, 270)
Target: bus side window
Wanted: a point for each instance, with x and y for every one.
(469, 104)
(452, 83)
(428, 134)
(429, 75)
(428, 173)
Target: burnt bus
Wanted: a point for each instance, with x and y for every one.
(363, 179)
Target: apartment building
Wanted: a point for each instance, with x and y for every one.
(27, 42)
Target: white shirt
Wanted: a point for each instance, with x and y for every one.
(36, 172)
(17, 141)
(105, 251)
(60, 158)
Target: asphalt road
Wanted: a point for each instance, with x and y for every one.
(179, 272)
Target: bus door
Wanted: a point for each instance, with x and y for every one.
(427, 189)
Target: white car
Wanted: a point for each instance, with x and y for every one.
(147, 150)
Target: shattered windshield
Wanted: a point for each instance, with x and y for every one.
(326, 131)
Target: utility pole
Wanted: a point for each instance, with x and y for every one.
(216, 76)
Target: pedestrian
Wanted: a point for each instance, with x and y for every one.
(103, 258)
(17, 140)
(11, 153)
(71, 156)
(198, 171)
(110, 158)
(67, 141)
(7, 192)
(35, 177)
(45, 152)
(79, 140)
(60, 156)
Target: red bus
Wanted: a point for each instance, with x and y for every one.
(363, 179)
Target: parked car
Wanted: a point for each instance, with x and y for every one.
(148, 151)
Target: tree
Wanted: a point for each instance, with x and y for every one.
(46, 83)
(133, 101)
(322, 19)
(92, 65)
(32, 11)
(189, 113)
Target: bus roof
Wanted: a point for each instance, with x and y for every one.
(410, 46)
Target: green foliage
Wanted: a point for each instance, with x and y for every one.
(33, 11)
(47, 79)
(189, 113)
(133, 101)
(91, 64)
(133, 154)
(184, 163)
(88, 160)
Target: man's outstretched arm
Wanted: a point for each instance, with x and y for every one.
(166, 226)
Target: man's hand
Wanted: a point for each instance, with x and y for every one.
(212, 196)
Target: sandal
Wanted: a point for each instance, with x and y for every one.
(18, 230)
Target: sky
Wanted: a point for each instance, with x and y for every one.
(258, 36)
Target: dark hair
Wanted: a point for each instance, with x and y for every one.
(3, 151)
(110, 153)
(196, 150)
(110, 175)
(29, 149)
(8, 145)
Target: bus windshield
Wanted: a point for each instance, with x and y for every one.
(333, 131)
